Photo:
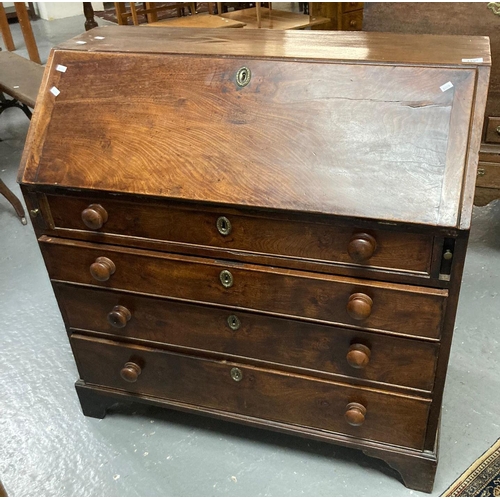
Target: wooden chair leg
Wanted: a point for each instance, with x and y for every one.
(121, 13)
(152, 17)
(3, 493)
(257, 8)
(133, 11)
(192, 8)
(5, 29)
(14, 201)
(88, 11)
(219, 8)
(29, 39)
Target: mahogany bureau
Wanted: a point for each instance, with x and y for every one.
(263, 227)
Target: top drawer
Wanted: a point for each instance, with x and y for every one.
(282, 235)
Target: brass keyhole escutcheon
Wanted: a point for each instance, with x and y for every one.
(226, 278)
(224, 226)
(243, 76)
(233, 322)
(236, 374)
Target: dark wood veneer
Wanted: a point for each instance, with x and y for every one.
(396, 361)
(268, 394)
(395, 308)
(285, 254)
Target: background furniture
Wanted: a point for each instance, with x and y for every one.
(198, 21)
(88, 11)
(455, 18)
(24, 21)
(14, 201)
(270, 18)
(150, 11)
(20, 79)
(345, 16)
(305, 279)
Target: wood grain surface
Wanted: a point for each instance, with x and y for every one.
(403, 309)
(265, 233)
(359, 46)
(395, 361)
(261, 393)
(295, 142)
(442, 18)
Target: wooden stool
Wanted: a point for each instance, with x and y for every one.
(24, 22)
(20, 79)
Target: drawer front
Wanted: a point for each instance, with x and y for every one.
(247, 390)
(493, 130)
(372, 305)
(488, 175)
(350, 6)
(352, 21)
(364, 355)
(230, 229)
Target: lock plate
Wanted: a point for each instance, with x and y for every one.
(236, 374)
(243, 76)
(233, 322)
(226, 278)
(224, 226)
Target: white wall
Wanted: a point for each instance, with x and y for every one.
(59, 10)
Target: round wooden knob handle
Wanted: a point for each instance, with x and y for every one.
(130, 372)
(359, 306)
(361, 247)
(358, 355)
(94, 216)
(355, 414)
(102, 269)
(119, 317)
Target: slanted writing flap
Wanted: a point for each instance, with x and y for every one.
(377, 141)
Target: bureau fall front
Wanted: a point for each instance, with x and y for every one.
(263, 227)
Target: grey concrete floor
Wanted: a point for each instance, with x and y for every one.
(47, 447)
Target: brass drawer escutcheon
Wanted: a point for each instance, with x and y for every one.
(243, 76)
(224, 226)
(236, 374)
(226, 278)
(233, 322)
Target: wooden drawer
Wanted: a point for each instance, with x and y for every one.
(378, 306)
(286, 236)
(352, 21)
(488, 175)
(350, 6)
(493, 130)
(266, 394)
(396, 361)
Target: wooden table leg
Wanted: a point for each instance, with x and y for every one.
(88, 11)
(14, 201)
(5, 29)
(3, 493)
(29, 39)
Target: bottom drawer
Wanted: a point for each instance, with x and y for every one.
(256, 392)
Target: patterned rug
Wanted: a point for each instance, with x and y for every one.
(481, 479)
